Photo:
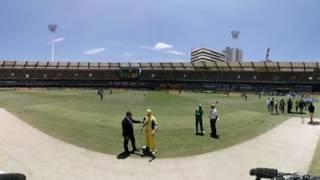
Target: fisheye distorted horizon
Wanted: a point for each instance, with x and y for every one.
(124, 30)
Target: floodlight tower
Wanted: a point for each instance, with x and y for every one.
(235, 35)
(267, 54)
(52, 30)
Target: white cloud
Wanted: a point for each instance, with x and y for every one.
(162, 46)
(94, 51)
(175, 52)
(59, 39)
(158, 46)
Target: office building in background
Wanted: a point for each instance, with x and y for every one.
(207, 55)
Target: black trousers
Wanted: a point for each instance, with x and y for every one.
(213, 127)
(126, 141)
(199, 123)
(289, 109)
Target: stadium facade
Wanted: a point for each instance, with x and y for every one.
(210, 55)
(207, 55)
(228, 76)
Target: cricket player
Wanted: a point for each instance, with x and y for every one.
(151, 126)
(198, 117)
(100, 94)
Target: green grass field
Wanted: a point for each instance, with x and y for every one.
(77, 117)
(315, 165)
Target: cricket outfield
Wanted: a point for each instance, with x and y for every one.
(77, 117)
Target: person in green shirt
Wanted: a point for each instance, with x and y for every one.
(198, 117)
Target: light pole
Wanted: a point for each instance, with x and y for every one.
(267, 54)
(235, 35)
(52, 30)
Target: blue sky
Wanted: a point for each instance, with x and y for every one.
(158, 30)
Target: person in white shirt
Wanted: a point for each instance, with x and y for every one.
(213, 116)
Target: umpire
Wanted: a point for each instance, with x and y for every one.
(213, 116)
(128, 133)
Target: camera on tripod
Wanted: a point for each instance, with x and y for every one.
(274, 174)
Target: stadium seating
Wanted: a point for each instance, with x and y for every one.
(234, 75)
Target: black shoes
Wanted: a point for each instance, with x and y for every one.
(200, 133)
(215, 136)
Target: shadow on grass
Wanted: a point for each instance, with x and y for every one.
(291, 113)
(297, 113)
(275, 114)
(143, 154)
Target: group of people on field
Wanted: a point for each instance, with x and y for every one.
(244, 95)
(213, 117)
(149, 123)
(274, 106)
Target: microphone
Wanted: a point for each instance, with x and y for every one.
(264, 172)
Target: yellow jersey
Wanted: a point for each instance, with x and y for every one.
(151, 122)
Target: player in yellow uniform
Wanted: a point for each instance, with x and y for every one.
(151, 126)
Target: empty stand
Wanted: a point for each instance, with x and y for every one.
(192, 75)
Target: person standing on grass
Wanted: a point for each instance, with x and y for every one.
(301, 105)
(213, 116)
(199, 122)
(272, 105)
(297, 105)
(128, 133)
(100, 94)
(282, 104)
(289, 106)
(276, 106)
(151, 125)
(311, 112)
(268, 104)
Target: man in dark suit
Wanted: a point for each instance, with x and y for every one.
(128, 133)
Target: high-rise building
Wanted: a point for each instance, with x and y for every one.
(207, 55)
(233, 55)
(228, 52)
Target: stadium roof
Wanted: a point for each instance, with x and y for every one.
(209, 66)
